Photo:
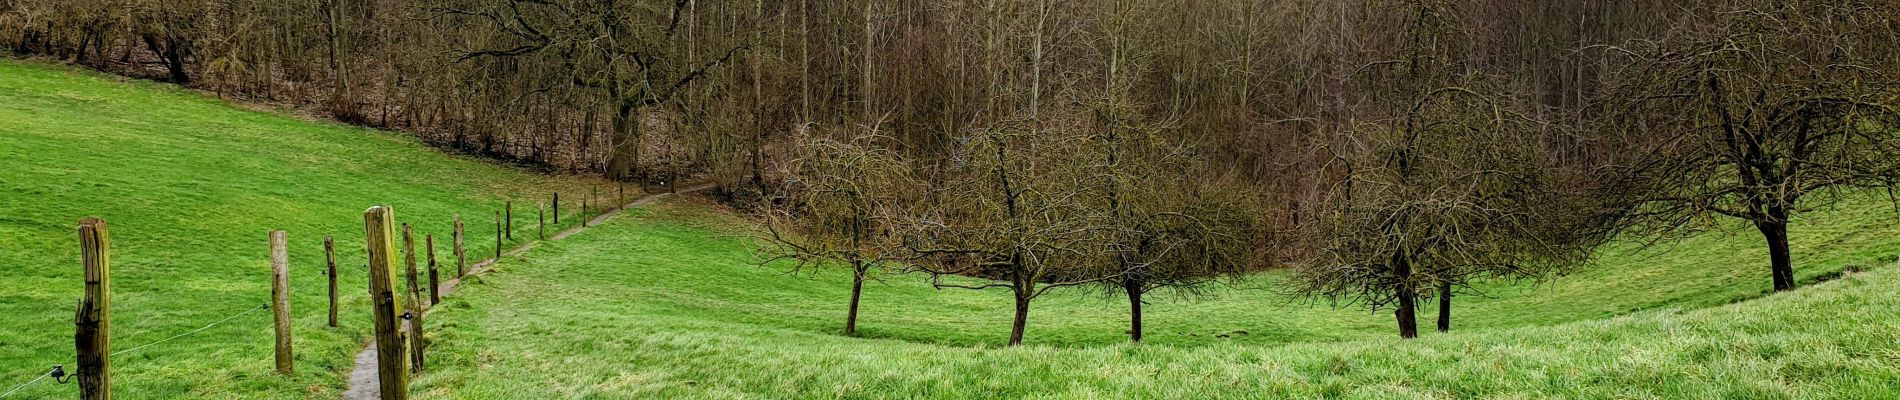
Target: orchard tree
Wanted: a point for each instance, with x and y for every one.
(1174, 220)
(842, 194)
(1453, 187)
(1762, 112)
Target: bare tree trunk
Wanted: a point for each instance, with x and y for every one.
(1444, 307)
(1133, 286)
(1022, 319)
(1776, 232)
(624, 163)
(1407, 312)
(857, 290)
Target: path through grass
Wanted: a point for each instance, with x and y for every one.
(190, 187)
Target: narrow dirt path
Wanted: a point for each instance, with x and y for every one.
(363, 380)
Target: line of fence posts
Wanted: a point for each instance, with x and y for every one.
(280, 299)
(397, 331)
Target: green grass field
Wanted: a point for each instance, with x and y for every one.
(667, 302)
(191, 187)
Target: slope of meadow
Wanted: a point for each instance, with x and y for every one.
(668, 303)
(190, 186)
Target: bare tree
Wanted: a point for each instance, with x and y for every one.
(1453, 187)
(1759, 113)
(842, 196)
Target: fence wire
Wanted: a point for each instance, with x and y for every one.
(48, 373)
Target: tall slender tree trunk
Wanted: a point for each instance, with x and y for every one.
(1407, 313)
(857, 290)
(1133, 286)
(1776, 232)
(1444, 307)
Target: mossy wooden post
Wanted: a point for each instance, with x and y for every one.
(498, 230)
(329, 262)
(413, 325)
(510, 217)
(413, 329)
(92, 339)
(557, 208)
(435, 283)
(541, 223)
(409, 267)
(280, 299)
(621, 197)
(461, 254)
(391, 361)
(583, 213)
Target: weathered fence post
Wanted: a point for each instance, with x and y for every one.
(92, 339)
(329, 261)
(413, 328)
(497, 236)
(583, 213)
(510, 231)
(557, 208)
(435, 284)
(461, 256)
(541, 222)
(380, 230)
(621, 198)
(409, 267)
(280, 299)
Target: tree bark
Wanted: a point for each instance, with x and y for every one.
(624, 162)
(1444, 307)
(1780, 265)
(1407, 313)
(1133, 286)
(857, 289)
(1022, 319)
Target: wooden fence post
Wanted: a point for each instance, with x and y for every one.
(435, 284)
(329, 261)
(414, 332)
(541, 222)
(461, 256)
(510, 231)
(621, 198)
(497, 236)
(557, 208)
(583, 213)
(409, 267)
(93, 336)
(380, 230)
(280, 299)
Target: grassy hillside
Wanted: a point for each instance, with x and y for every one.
(190, 187)
(668, 304)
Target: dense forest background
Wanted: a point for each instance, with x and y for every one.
(1251, 83)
